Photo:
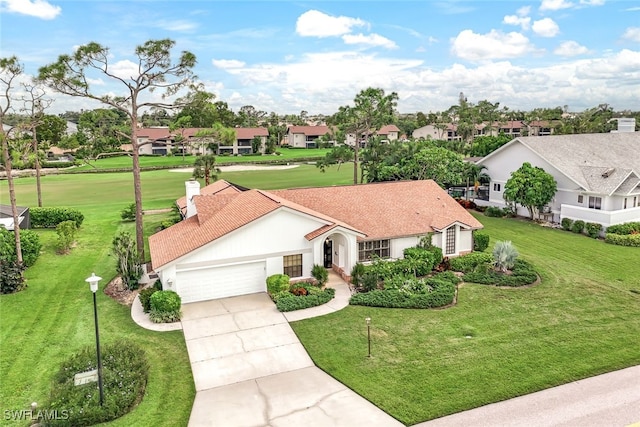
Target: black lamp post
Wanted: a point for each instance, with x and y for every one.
(93, 283)
(368, 320)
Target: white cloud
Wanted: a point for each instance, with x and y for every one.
(314, 23)
(523, 21)
(546, 27)
(555, 4)
(432, 40)
(369, 39)
(592, 2)
(226, 64)
(38, 8)
(177, 25)
(570, 48)
(521, 18)
(125, 69)
(493, 45)
(632, 33)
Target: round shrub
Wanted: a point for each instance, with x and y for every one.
(480, 241)
(277, 283)
(593, 229)
(470, 262)
(493, 211)
(578, 226)
(313, 297)
(165, 307)
(124, 373)
(626, 228)
(566, 223)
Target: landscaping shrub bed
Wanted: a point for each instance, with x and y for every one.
(522, 274)
(124, 371)
(470, 262)
(626, 228)
(480, 241)
(51, 217)
(314, 296)
(29, 243)
(623, 239)
(396, 298)
(165, 307)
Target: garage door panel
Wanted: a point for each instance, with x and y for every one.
(221, 282)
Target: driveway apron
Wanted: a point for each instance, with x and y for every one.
(250, 369)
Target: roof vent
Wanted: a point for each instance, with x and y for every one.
(608, 172)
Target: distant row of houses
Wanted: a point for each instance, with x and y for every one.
(161, 140)
(513, 128)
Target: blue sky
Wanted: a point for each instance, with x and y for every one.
(286, 56)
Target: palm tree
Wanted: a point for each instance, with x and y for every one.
(205, 167)
(474, 174)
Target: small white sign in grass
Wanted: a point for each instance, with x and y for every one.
(85, 377)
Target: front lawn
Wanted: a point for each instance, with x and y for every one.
(177, 161)
(495, 344)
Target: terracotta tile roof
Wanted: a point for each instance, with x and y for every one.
(385, 130)
(309, 130)
(385, 210)
(218, 215)
(220, 186)
(374, 211)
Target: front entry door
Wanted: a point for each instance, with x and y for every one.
(328, 253)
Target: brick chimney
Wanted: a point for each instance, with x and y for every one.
(193, 189)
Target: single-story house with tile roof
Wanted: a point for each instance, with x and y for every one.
(231, 241)
(598, 175)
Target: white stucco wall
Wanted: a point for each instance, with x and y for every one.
(400, 244)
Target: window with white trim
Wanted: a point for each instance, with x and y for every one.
(292, 265)
(368, 249)
(595, 202)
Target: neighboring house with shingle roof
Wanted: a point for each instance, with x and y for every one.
(161, 140)
(6, 217)
(232, 240)
(598, 175)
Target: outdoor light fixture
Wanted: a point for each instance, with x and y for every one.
(368, 320)
(93, 284)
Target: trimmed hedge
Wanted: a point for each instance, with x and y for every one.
(51, 217)
(290, 302)
(442, 294)
(626, 228)
(566, 223)
(470, 262)
(277, 283)
(480, 241)
(29, 243)
(522, 274)
(124, 372)
(623, 239)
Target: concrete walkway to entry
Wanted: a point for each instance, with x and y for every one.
(250, 369)
(339, 301)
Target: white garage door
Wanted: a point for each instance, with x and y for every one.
(220, 282)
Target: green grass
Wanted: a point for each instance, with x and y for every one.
(44, 324)
(582, 320)
(286, 154)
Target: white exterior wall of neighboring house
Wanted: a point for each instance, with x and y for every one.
(298, 140)
(511, 158)
(429, 132)
(399, 245)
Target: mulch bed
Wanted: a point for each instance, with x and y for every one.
(116, 290)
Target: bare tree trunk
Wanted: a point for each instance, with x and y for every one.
(137, 186)
(37, 164)
(355, 160)
(12, 196)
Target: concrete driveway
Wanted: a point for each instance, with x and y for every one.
(250, 369)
